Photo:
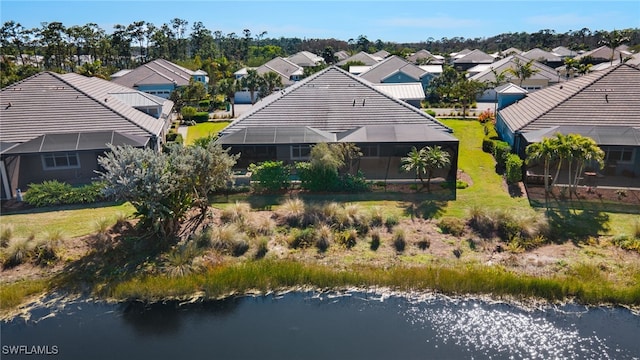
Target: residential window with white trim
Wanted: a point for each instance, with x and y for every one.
(61, 161)
(300, 152)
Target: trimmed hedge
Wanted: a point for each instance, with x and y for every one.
(500, 151)
(513, 168)
(201, 116)
(53, 192)
(270, 176)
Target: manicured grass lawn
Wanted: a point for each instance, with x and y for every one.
(487, 190)
(204, 129)
(71, 221)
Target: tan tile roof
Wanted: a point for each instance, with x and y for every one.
(609, 97)
(544, 71)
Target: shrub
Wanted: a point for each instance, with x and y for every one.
(627, 243)
(451, 225)
(486, 116)
(204, 104)
(513, 168)
(430, 112)
(188, 112)
(353, 183)
(423, 244)
(53, 192)
(317, 178)
(201, 116)
(270, 176)
(500, 152)
(488, 144)
(399, 240)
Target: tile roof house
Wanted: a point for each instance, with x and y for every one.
(564, 52)
(159, 77)
(424, 57)
(543, 78)
(383, 54)
(471, 59)
(54, 126)
(544, 57)
(604, 105)
(396, 70)
(335, 106)
(288, 71)
(306, 59)
(600, 55)
(363, 57)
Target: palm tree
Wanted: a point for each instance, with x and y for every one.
(271, 81)
(613, 40)
(545, 151)
(425, 161)
(228, 88)
(415, 161)
(586, 152)
(252, 83)
(522, 71)
(435, 158)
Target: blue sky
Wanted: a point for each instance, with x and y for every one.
(397, 21)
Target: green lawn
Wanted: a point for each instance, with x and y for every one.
(204, 129)
(487, 189)
(71, 221)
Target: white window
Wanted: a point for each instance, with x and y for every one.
(60, 161)
(299, 152)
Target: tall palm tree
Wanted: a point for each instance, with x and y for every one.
(545, 151)
(271, 81)
(613, 40)
(586, 152)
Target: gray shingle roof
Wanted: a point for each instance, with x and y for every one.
(48, 103)
(602, 53)
(156, 72)
(609, 97)
(335, 101)
(390, 66)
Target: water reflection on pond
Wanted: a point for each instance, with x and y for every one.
(313, 325)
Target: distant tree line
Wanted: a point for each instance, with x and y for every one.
(89, 49)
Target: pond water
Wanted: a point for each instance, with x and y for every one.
(312, 325)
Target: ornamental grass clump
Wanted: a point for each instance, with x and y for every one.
(182, 260)
(17, 252)
(348, 238)
(302, 238)
(376, 237)
(6, 234)
(323, 237)
(292, 211)
(229, 240)
(399, 240)
(237, 212)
